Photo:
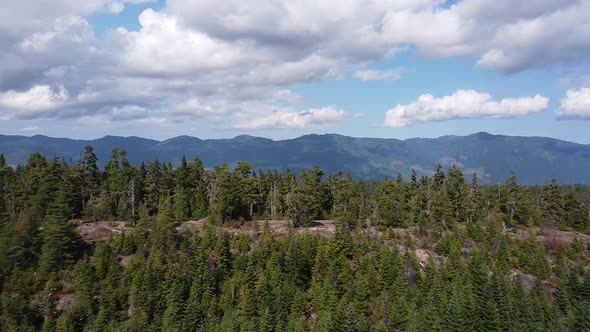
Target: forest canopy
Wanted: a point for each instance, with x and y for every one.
(427, 253)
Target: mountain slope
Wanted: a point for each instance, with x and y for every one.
(535, 160)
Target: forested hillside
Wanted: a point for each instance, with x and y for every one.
(492, 157)
(423, 253)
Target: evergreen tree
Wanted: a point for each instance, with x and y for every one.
(575, 213)
(60, 241)
(172, 317)
(458, 194)
(197, 180)
(392, 204)
(442, 212)
(5, 172)
(92, 176)
(153, 187)
(552, 204)
(525, 210)
(164, 230)
(475, 200)
(236, 277)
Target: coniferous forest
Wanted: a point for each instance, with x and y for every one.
(428, 253)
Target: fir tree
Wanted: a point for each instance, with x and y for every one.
(552, 204)
(60, 241)
(575, 213)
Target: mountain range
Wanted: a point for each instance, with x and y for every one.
(534, 160)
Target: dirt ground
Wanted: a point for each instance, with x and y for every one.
(551, 236)
(93, 231)
(323, 228)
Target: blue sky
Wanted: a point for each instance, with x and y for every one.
(215, 69)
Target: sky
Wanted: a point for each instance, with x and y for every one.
(282, 69)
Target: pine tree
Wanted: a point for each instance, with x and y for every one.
(153, 187)
(49, 186)
(85, 284)
(223, 256)
(490, 320)
(172, 317)
(458, 194)
(457, 318)
(575, 213)
(442, 215)
(552, 204)
(92, 176)
(475, 200)
(182, 204)
(509, 200)
(164, 230)
(183, 192)
(526, 213)
(60, 241)
(200, 206)
(582, 322)
(5, 172)
(345, 195)
(392, 204)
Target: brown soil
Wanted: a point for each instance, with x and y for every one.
(64, 301)
(93, 231)
(323, 228)
(550, 236)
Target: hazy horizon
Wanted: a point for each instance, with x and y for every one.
(288, 138)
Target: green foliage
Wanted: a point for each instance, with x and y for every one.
(61, 244)
(466, 261)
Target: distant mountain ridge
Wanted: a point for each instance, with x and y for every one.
(535, 160)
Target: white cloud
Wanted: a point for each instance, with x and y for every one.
(20, 18)
(128, 112)
(369, 30)
(378, 75)
(462, 104)
(286, 96)
(71, 28)
(195, 107)
(227, 61)
(31, 129)
(38, 99)
(575, 104)
(523, 42)
(115, 7)
(165, 46)
(92, 121)
(290, 119)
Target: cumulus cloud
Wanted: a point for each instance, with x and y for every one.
(462, 104)
(522, 44)
(36, 100)
(18, 18)
(229, 61)
(286, 96)
(502, 34)
(164, 46)
(195, 107)
(378, 75)
(128, 112)
(292, 119)
(115, 7)
(575, 104)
